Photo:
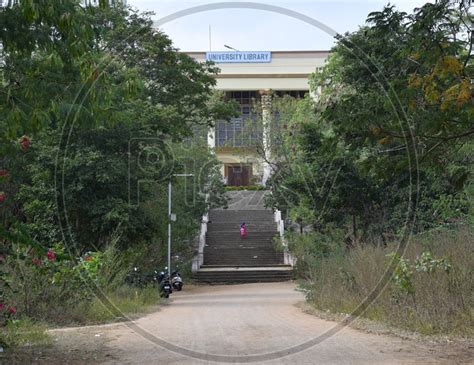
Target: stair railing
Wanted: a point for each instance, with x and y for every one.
(198, 259)
(288, 258)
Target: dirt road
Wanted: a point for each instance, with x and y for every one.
(245, 323)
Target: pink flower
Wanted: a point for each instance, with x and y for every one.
(11, 309)
(1, 306)
(51, 255)
(24, 143)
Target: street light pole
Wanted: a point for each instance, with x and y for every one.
(169, 229)
(170, 190)
(232, 48)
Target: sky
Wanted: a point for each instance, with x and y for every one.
(257, 30)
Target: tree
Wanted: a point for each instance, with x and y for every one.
(103, 101)
(393, 106)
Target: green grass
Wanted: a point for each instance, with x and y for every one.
(128, 300)
(24, 332)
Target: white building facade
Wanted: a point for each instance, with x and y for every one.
(252, 79)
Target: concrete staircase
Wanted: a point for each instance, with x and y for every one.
(230, 259)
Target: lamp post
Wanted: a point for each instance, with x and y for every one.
(232, 48)
(170, 218)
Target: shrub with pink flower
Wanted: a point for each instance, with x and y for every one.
(51, 255)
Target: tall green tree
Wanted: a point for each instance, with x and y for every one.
(94, 104)
(393, 109)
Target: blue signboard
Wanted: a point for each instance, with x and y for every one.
(239, 57)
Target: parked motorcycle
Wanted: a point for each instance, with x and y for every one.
(164, 283)
(176, 280)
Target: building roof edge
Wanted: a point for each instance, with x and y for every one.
(274, 52)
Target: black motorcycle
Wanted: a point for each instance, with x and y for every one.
(164, 283)
(176, 280)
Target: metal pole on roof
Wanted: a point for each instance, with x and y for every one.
(210, 43)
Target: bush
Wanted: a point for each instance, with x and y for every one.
(49, 287)
(430, 291)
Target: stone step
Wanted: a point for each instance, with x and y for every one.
(214, 241)
(239, 216)
(228, 258)
(250, 200)
(243, 257)
(218, 215)
(234, 261)
(236, 242)
(240, 251)
(243, 263)
(244, 249)
(235, 226)
(250, 256)
(251, 237)
(236, 235)
(233, 275)
(203, 267)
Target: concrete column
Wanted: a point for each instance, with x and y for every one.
(266, 100)
(211, 138)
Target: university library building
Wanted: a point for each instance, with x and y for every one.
(252, 79)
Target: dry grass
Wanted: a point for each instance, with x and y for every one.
(437, 302)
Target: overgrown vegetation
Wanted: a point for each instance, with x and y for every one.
(126, 299)
(19, 333)
(430, 291)
(95, 106)
(382, 153)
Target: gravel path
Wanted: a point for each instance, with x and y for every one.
(247, 323)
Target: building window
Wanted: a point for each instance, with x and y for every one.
(238, 132)
(293, 93)
(244, 131)
(241, 131)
